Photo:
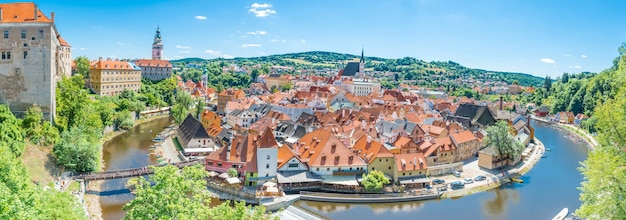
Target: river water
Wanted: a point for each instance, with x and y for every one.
(549, 187)
(128, 150)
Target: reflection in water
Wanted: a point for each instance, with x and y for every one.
(128, 150)
(380, 208)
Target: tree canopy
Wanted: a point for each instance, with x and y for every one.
(374, 181)
(502, 141)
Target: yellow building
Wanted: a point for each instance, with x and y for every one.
(376, 155)
(111, 77)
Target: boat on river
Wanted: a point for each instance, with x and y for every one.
(517, 180)
(561, 215)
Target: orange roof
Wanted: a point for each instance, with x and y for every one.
(22, 12)
(463, 137)
(111, 65)
(153, 63)
(284, 155)
(63, 42)
(410, 162)
(369, 149)
(402, 142)
(322, 148)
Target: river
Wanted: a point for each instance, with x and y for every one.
(127, 150)
(550, 186)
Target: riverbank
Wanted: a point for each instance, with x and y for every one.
(581, 134)
(497, 180)
(92, 200)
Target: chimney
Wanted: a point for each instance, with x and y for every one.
(36, 13)
(501, 100)
(52, 16)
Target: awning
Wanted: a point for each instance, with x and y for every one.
(213, 174)
(341, 180)
(224, 176)
(413, 180)
(198, 150)
(233, 180)
(297, 177)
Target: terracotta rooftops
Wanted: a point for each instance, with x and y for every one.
(463, 137)
(153, 63)
(63, 42)
(111, 65)
(410, 162)
(22, 12)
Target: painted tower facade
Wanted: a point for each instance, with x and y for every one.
(157, 46)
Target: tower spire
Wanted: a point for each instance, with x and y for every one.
(362, 55)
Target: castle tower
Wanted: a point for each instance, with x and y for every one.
(157, 46)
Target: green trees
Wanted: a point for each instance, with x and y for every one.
(36, 129)
(181, 108)
(500, 139)
(232, 172)
(200, 107)
(374, 181)
(19, 198)
(174, 195)
(240, 212)
(76, 151)
(604, 186)
(82, 66)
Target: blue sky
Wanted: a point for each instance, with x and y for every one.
(531, 36)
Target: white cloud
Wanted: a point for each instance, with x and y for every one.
(250, 45)
(184, 51)
(303, 41)
(256, 33)
(218, 54)
(83, 48)
(261, 10)
(567, 55)
(200, 17)
(178, 56)
(274, 40)
(182, 47)
(583, 56)
(243, 36)
(123, 44)
(575, 67)
(284, 41)
(547, 60)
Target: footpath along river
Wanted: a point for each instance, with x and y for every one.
(549, 187)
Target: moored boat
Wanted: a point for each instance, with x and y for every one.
(561, 215)
(517, 180)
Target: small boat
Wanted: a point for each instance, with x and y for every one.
(517, 180)
(548, 149)
(561, 215)
(544, 156)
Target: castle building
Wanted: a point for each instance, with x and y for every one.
(33, 56)
(111, 77)
(155, 69)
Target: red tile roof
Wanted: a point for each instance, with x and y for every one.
(22, 12)
(153, 63)
(369, 149)
(411, 162)
(111, 65)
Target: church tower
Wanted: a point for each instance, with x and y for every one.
(157, 46)
(362, 64)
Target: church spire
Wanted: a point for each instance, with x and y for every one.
(157, 45)
(362, 56)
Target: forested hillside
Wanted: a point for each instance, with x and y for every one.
(412, 70)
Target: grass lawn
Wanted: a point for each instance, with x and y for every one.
(178, 146)
(74, 186)
(40, 164)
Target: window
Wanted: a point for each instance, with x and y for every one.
(318, 169)
(293, 165)
(6, 55)
(327, 169)
(267, 166)
(6, 34)
(23, 34)
(389, 168)
(210, 163)
(268, 157)
(25, 54)
(25, 44)
(219, 164)
(40, 34)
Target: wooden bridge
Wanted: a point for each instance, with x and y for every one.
(132, 172)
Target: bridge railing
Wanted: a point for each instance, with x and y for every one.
(130, 172)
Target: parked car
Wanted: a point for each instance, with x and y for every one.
(480, 178)
(457, 185)
(468, 180)
(456, 173)
(438, 181)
